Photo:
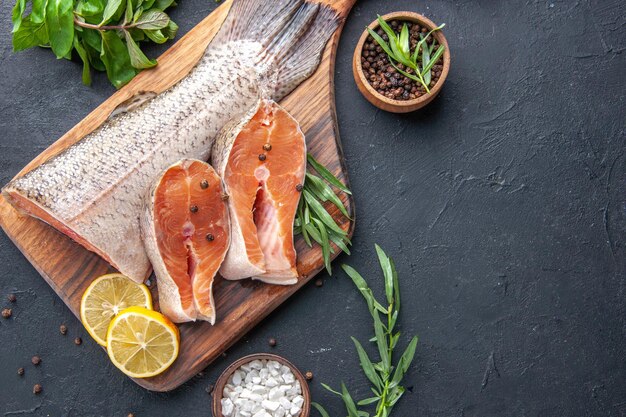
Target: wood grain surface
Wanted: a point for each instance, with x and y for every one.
(69, 268)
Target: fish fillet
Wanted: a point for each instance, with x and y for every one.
(262, 160)
(186, 233)
(93, 191)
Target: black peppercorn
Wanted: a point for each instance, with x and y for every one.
(37, 389)
(272, 342)
(78, 341)
(12, 298)
(20, 371)
(193, 209)
(6, 313)
(36, 360)
(319, 282)
(225, 197)
(267, 147)
(299, 187)
(63, 329)
(308, 375)
(210, 237)
(204, 184)
(262, 157)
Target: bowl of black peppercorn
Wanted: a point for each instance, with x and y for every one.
(382, 81)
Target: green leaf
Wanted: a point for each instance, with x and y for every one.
(381, 42)
(170, 30)
(388, 30)
(425, 62)
(321, 212)
(29, 34)
(327, 388)
(326, 174)
(405, 361)
(163, 4)
(88, 8)
(435, 57)
(320, 409)
(404, 40)
(155, 36)
(324, 192)
(128, 12)
(60, 26)
(137, 58)
(347, 399)
(395, 395)
(18, 13)
(152, 19)
(113, 8)
(38, 12)
(368, 401)
(366, 365)
(325, 245)
(114, 55)
(381, 343)
(342, 242)
(396, 290)
(85, 58)
(385, 265)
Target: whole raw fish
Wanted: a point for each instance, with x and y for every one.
(94, 190)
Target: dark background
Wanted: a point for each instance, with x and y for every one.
(503, 204)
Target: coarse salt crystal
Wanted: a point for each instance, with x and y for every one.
(227, 407)
(262, 388)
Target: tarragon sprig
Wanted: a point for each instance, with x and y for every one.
(313, 220)
(398, 49)
(104, 33)
(383, 375)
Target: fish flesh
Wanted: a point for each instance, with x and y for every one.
(186, 233)
(93, 191)
(262, 160)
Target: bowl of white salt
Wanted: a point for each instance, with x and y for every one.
(261, 385)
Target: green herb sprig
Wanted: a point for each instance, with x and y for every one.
(418, 62)
(313, 221)
(384, 376)
(104, 33)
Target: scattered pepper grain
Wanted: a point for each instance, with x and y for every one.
(37, 389)
(272, 342)
(12, 298)
(36, 360)
(308, 375)
(20, 371)
(6, 313)
(63, 329)
(78, 341)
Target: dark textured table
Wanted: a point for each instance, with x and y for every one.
(503, 204)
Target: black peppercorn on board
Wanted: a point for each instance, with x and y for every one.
(69, 268)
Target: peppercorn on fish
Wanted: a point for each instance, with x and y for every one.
(93, 191)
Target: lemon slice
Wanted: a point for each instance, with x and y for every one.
(106, 297)
(142, 343)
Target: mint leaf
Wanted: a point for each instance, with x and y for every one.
(60, 26)
(116, 59)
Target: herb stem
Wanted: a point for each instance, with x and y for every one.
(102, 27)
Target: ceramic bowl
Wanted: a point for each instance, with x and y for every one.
(223, 380)
(399, 106)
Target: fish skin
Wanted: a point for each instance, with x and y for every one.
(237, 264)
(170, 302)
(96, 187)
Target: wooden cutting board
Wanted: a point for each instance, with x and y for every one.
(69, 268)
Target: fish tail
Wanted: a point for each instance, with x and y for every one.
(293, 34)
